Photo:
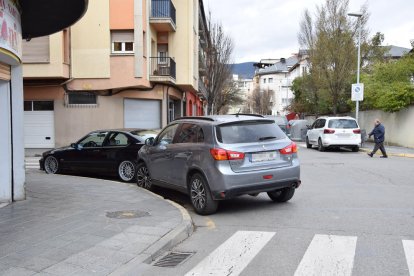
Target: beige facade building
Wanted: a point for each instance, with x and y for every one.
(125, 64)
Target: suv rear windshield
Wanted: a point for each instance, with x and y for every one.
(342, 123)
(249, 132)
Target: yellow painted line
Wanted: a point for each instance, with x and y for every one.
(210, 224)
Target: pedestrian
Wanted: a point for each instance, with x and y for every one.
(379, 136)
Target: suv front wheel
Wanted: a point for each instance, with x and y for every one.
(200, 195)
(282, 195)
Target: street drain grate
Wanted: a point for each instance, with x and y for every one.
(131, 214)
(173, 259)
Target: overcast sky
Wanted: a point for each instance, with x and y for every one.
(269, 28)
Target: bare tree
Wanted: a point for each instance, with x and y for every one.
(230, 96)
(219, 75)
(260, 101)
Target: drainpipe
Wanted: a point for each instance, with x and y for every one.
(11, 142)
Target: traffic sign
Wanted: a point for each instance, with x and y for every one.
(357, 92)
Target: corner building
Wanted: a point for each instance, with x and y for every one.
(125, 64)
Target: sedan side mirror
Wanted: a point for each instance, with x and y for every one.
(150, 141)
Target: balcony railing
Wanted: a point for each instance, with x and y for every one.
(163, 14)
(162, 68)
(202, 90)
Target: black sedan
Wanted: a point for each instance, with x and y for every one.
(109, 152)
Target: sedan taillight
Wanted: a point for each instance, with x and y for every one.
(328, 131)
(222, 154)
(357, 131)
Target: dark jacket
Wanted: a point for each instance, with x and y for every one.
(379, 133)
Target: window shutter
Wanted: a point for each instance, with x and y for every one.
(122, 36)
(4, 72)
(36, 50)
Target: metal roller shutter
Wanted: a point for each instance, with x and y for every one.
(144, 114)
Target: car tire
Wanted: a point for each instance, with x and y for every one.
(320, 146)
(308, 145)
(282, 195)
(51, 165)
(126, 171)
(143, 176)
(200, 195)
(355, 149)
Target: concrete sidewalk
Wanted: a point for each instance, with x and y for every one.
(391, 150)
(82, 226)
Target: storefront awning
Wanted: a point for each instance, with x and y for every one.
(45, 17)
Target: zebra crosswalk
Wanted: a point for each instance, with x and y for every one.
(325, 255)
(32, 163)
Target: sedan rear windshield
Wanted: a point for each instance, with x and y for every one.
(342, 123)
(249, 132)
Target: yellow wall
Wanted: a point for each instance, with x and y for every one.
(55, 68)
(91, 42)
(181, 43)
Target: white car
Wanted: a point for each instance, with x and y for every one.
(335, 132)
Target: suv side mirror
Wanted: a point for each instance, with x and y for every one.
(150, 141)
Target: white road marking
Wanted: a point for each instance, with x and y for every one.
(233, 255)
(328, 255)
(409, 255)
(32, 162)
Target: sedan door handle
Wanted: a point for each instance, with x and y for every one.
(96, 150)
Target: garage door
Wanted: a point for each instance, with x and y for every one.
(142, 114)
(39, 124)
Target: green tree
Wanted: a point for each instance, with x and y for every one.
(330, 39)
(390, 86)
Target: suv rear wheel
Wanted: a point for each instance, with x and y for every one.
(282, 195)
(200, 195)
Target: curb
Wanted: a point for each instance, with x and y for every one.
(168, 241)
(406, 155)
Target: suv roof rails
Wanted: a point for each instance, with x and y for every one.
(248, 114)
(195, 118)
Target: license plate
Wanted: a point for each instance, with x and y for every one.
(264, 156)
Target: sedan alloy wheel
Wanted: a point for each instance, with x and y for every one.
(51, 165)
(126, 171)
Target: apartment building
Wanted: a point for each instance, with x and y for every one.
(22, 20)
(276, 75)
(125, 64)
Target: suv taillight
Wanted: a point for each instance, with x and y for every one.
(357, 131)
(222, 154)
(292, 148)
(328, 131)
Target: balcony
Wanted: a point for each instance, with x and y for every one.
(202, 90)
(163, 16)
(162, 69)
(202, 63)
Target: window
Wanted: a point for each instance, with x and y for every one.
(122, 42)
(190, 133)
(93, 140)
(270, 80)
(264, 80)
(167, 136)
(38, 106)
(342, 123)
(320, 123)
(248, 132)
(82, 98)
(117, 139)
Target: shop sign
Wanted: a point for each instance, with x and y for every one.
(10, 28)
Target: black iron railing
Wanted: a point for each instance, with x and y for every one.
(163, 67)
(163, 9)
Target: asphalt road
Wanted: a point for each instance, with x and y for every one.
(353, 215)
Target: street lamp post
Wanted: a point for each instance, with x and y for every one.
(358, 15)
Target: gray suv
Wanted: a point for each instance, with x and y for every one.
(213, 158)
